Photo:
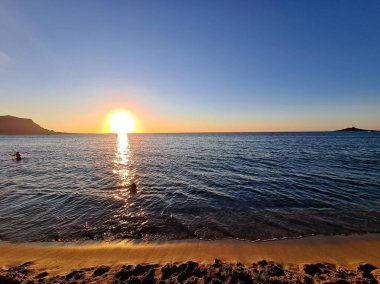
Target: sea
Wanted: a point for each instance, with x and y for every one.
(159, 187)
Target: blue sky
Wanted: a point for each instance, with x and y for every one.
(192, 65)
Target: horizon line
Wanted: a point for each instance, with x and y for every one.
(211, 132)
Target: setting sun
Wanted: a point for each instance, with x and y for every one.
(121, 122)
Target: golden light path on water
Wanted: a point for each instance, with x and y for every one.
(122, 161)
(126, 176)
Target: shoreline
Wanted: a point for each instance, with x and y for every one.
(343, 250)
(316, 259)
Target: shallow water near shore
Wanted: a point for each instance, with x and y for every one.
(213, 186)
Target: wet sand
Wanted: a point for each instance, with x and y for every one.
(63, 258)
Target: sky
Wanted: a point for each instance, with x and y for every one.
(192, 66)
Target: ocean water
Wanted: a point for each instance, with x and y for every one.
(211, 186)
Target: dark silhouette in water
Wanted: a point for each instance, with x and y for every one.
(133, 188)
(18, 156)
(353, 128)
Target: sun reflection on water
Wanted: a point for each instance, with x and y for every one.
(123, 150)
(130, 216)
(122, 162)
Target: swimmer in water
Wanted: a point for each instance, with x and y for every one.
(18, 156)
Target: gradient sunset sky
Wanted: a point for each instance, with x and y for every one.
(189, 66)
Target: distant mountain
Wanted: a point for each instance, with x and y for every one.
(354, 129)
(16, 125)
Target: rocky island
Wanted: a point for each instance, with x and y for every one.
(16, 125)
(353, 128)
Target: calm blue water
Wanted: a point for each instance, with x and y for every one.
(251, 186)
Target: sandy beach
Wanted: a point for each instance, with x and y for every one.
(300, 259)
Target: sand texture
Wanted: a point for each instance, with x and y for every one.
(339, 259)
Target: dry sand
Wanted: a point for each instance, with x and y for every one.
(61, 258)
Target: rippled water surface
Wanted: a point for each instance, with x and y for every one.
(250, 186)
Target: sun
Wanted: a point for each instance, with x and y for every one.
(121, 122)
